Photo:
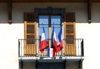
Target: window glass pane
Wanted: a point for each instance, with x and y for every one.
(57, 26)
(56, 31)
(46, 26)
(45, 21)
(46, 32)
(55, 19)
(56, 22)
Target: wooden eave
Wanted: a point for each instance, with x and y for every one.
(45, 1)
(10, 11)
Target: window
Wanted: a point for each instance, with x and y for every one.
(48, 21)
(43, 22)
(56, 22)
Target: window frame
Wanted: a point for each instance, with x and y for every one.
(49, 25)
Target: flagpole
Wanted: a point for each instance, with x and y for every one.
(43, 51)
(42, 24)
(63, 50)
(56, 53)
(44, 31)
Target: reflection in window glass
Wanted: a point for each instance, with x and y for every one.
(56, 22)
(44, 19)
(55, 19)
(44, 22)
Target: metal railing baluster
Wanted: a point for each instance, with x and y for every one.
(18, 48)
(70, 47)
(78, 47)
(82, 48)
(21, 46)
(31, 48)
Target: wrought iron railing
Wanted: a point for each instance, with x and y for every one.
(73, 47)
(30, 48)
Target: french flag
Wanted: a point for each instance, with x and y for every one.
(51, 52)
(44, 43)
(59, 41)
(54, 40)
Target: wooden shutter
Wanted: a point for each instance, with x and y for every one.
(69, 34)
(30, 34)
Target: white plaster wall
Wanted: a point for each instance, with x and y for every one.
(91, 35)
(9, 35)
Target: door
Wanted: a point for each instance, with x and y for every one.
(69, 34)
(30, 35)
(50, 65)
(48, 21)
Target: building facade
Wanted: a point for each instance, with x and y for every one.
(20, 40)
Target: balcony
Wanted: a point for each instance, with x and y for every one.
(28, 49)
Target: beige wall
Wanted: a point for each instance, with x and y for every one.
(71, 65)
(3, 12)
(80, 9)
(9, 34)
(29, 66)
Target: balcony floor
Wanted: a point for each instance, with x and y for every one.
(49, 59)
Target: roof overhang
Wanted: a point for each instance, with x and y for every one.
(46, 1)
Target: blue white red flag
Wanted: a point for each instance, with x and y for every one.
(59, 41)
(54, 40)
(51, 52)
(44, 43)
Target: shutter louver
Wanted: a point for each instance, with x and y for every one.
(30, 34)
(30, 17)
(30, 29)
(69, 34)
(69, 17)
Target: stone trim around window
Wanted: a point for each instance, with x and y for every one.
(49, 11)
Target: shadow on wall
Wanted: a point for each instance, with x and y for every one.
(69, 65)
(80, 9)
(22, 21)
(19, 18)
